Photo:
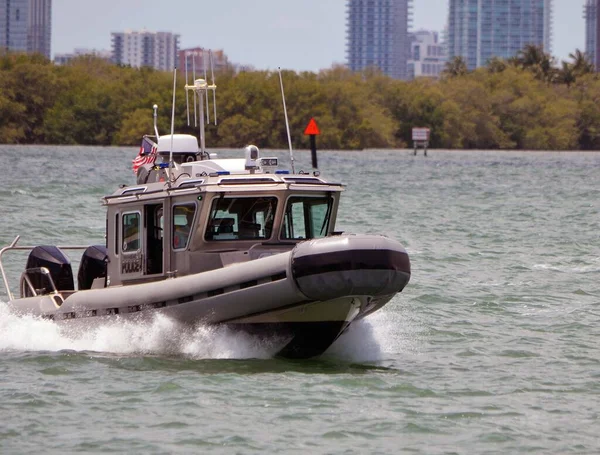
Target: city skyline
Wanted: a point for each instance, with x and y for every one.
(303, 36)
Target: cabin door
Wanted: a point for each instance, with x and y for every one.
(131, 245)
(154, 245)
(142, 242)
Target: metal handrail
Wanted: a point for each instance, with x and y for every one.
(25, 277)
(13, 246)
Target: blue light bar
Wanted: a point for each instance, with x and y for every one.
(223, 172)
(282, 172)
(163, 165)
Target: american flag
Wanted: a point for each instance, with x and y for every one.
(147, 154)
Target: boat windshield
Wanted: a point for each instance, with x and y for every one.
(306, 217)
(241, 218)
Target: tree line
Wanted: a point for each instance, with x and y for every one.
(528, 102)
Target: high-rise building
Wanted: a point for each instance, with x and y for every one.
(479, 30)
(377, 35)
(427, 55)
(26, 26)
(157, 50)
(592, 32)
(14, 25)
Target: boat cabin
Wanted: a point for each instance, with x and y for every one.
(211, 213)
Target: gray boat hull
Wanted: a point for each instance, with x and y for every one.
(307, 296)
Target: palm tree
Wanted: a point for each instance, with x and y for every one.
(581, 63)
(534, 59)
(567, 74)
(531, 56)
(456, 67)
(580, 66)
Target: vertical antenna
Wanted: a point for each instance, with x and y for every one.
(155, 109)
(187, 95)
(212, 73)
(172, 125)
(200, 88)
(193, 82)
(206, 79)
(202, 91)
(287, 124)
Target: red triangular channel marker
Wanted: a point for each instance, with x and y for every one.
(312, 128)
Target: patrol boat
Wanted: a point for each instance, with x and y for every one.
(205, 240)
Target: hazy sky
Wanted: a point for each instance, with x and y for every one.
(294, 34)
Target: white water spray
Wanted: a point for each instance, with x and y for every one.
(162, 336)
(369, 340)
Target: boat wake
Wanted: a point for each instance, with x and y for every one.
(365, 341)
(162, 336)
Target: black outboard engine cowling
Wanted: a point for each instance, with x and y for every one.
(58, 265)
(92, 266)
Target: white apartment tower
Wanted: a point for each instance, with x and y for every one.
(427, 55)
(157, 50)
(26, 26)
(377, 35)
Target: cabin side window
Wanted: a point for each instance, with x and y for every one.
(241, 218)
(183, 218)
(306, 217)
(131, 232)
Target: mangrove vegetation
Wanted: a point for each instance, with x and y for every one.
(529, 102)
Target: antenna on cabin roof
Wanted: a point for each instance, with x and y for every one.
(193, 79)
(187, 97)
(200, 88)
(172, 125)
(206, 79)
(287, 123)
(212, 74)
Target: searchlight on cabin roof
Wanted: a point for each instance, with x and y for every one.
(252, 155)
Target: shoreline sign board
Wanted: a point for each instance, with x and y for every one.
(421, 134)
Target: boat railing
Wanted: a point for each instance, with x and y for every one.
(13, 247)
(25, 279)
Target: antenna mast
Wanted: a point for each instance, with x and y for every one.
(212, 73)
(287, 123)
(187, 97)
(172, 125)
(206, 79)
(200, 88)
(193, 79)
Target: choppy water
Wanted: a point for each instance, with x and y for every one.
(492, 348)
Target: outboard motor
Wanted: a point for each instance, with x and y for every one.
(59, 266)
(92, 266)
